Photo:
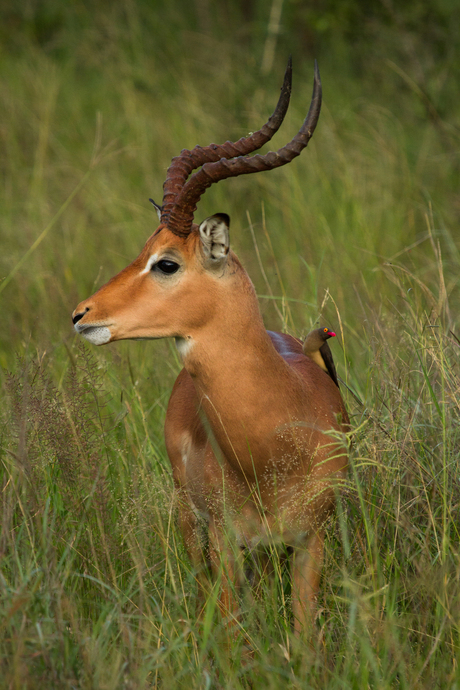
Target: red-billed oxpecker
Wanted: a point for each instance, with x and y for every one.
(316, 347)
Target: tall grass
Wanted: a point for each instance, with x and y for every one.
(97, 591)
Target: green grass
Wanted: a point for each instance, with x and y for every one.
(358, 234)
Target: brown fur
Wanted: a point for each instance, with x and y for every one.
(248, 421)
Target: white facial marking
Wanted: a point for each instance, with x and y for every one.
(152, 260)
(184, 346)
(97, 335)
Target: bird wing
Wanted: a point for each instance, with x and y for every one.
(326, 354)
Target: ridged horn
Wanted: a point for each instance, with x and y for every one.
(180, 212)
(182, 165)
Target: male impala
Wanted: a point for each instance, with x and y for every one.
(254, 427)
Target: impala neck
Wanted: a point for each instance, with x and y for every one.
(233, 344)
(235, 367)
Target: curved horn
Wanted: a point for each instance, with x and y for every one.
(182, 165)
(181, 215)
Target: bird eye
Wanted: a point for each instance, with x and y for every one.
(166, 266)
(326, 330)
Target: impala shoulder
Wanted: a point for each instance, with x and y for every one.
(286, 345)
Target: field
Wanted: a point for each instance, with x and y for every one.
(360, 234)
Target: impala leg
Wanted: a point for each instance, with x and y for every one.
(223, 564)
(306, 574)
(194, 541)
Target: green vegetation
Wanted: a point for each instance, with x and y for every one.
(360, 234)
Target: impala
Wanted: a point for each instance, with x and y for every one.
(254, 428)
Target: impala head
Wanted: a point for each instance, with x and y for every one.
(168, 290)
(165, 291)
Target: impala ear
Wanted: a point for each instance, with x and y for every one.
(157, 208)
(214, 234)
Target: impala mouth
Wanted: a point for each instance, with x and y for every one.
(95, 334)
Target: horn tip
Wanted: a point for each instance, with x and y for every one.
(317, 76)
(287, 81)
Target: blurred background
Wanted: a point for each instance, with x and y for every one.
(361, 233)
(101, 96)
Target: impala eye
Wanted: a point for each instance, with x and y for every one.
(166, 266)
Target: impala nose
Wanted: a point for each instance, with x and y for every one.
(79, 316)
